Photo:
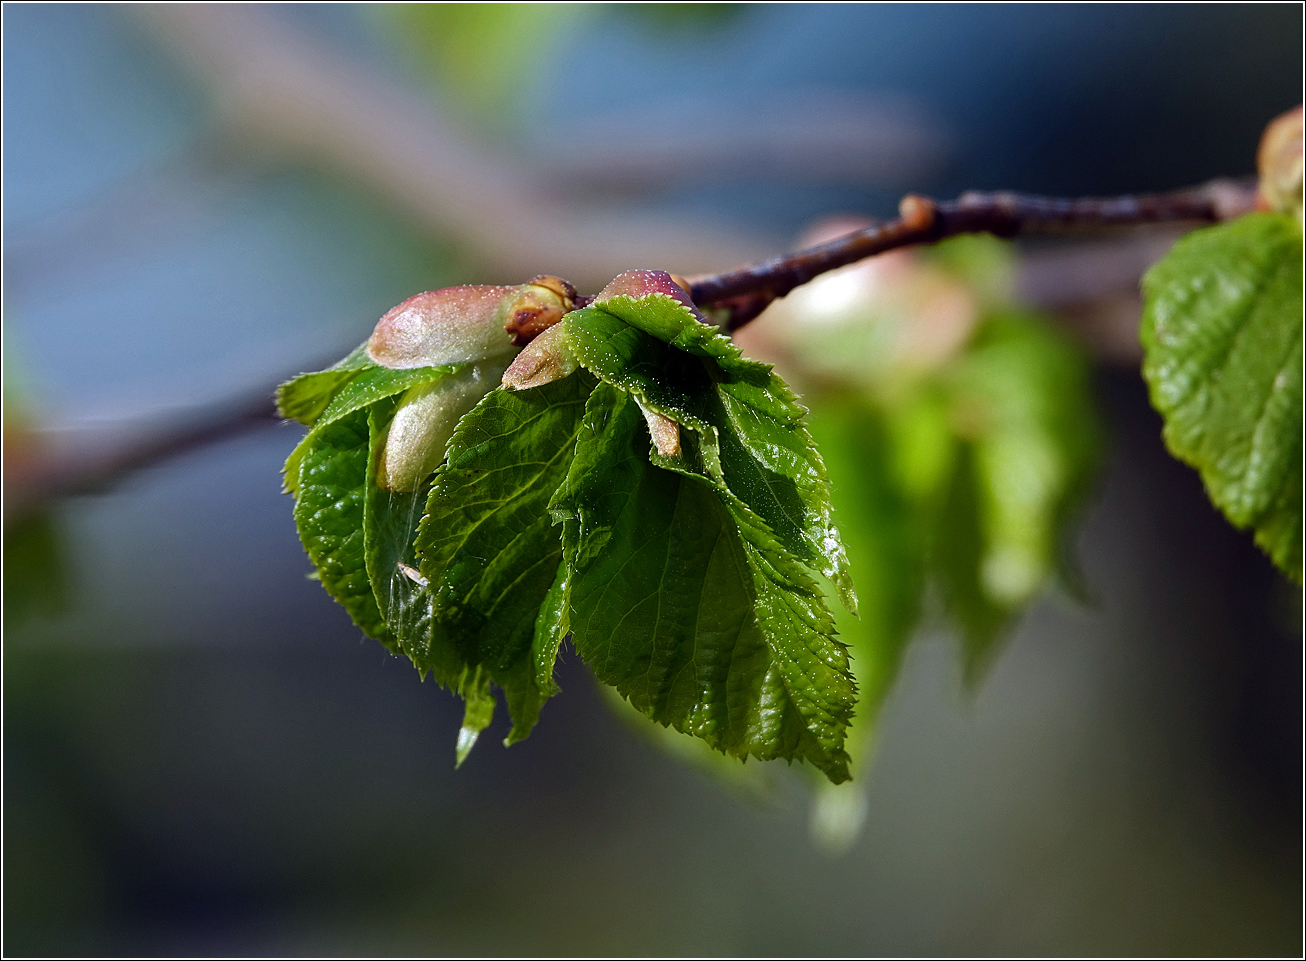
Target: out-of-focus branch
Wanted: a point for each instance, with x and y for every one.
(745, 291)
(292, 95)
(41, 467)
(814, 136)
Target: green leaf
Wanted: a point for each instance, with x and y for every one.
(402, 592)
(672, 322)
(329, 513)
(303, 398)
(1021, 403)
(753, 439)
(1222, 335)
(374, 383)
(753, 782)
(769, 460)
(696, 627)
(487, 545)
(667, 380)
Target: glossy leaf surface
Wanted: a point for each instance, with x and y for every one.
(487, 544)
(672, 607)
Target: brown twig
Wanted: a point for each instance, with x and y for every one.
(744, 291)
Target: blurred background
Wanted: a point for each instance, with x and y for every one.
(202, 755)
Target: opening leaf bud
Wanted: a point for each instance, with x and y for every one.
(1279, 163)
(640, 283)
(456, 325)
(423, 423)
(537, 306)
(664, 431)
(547, 358)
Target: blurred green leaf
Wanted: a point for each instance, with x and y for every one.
(985, 264)
(886, 545)
(482, 55)
(1021, 404)
(1222, 335)
(35, 569)
(680, 20)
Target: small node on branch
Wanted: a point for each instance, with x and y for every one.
(918, 213)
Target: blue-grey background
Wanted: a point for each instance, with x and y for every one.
(203, 755)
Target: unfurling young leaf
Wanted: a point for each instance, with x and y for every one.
(638, 485)
(1222, 334)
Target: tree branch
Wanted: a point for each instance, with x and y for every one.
(45, 471)
(40, 468)
(296, 97)
(745, 291)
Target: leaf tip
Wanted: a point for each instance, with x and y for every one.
(467, 736)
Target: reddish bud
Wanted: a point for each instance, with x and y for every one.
(540, 303)
(640, 283)
(456, 325)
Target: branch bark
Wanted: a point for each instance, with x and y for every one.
(51, 471)
(42, 467)
(745, 291)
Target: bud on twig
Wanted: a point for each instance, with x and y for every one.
(456, 325)
(1279, 163)
(641, 283)
(539, 304)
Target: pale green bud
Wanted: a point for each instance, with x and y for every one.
(664, 431)
(423, 423)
